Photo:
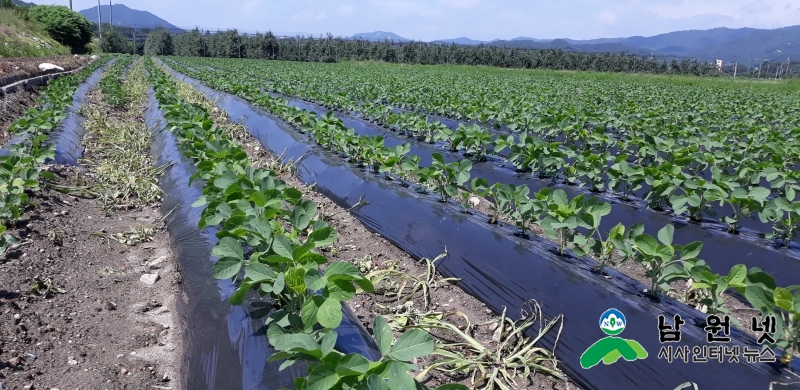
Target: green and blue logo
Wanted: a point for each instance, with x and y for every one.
(610, 349)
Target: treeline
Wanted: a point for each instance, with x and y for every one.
(231, 44)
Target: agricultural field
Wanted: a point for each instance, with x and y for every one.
(176, 222)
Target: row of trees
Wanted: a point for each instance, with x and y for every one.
(231, 44)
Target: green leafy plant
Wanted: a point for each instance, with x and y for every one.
(563, 217)
(658, 257)
(481, 187)
(785, 217)
(331, 369)
(446, 178)
(394, 162)
(617, 241)
(709, 287)
(473, 139)
(697, 196)
(788, 324)
(625, 178)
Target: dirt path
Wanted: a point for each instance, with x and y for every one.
(78, 305)
(29, 67)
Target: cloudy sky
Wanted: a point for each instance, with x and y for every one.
(476, 19)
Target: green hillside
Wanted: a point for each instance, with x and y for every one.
(20, 38)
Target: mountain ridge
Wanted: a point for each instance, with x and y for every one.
(125, 16)
(746, 45)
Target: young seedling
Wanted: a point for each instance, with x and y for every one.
(658, 257)
(395, 160)
(482, 188)
(617, 240)
(788, 324)
(446, 178)
(697, 196)
(331, 369)
(663, 179)
(473, 139)
(784, 214)
(625, 178)
(563, 217)
(744, 204)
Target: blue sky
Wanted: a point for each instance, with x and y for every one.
(477, 19)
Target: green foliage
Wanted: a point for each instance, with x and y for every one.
(64, 25)
(659, 258)
(651, 150)
(446, 178)
(114, 42)
(230, 44)
(111, 83)
(253, 207)
(159, 42)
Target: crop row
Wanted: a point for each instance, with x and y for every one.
(533, 102)
(558, 216)
(684, 174)
(22, 167)
(254, 208)
(111, 83)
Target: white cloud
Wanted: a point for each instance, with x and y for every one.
(607, 17)
(757, 6)
(308, 15)
(460, 4)
(346, 9)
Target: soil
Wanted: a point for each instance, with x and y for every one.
(75, 310)
(29, 67)
(12, 106)
(107, 329)
(364, 248)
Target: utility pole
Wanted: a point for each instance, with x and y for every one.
(134, 41)
(110, 14)
(735, 66)
(99, 21)
(777, 70)
(70, 5)
(788, 64)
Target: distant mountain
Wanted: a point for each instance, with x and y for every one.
(567, 45)
(380, 36)
(686, 39)
(753, 48)
(22, 3)
(748, 46)
(461, 41)
(124, 16)
(529, 39)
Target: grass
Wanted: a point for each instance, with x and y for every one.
(16, 38)
(120, 149)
